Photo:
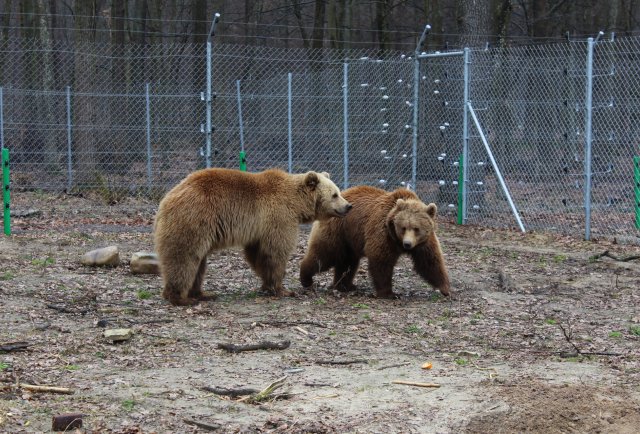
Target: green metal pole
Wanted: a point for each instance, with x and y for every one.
(243, 161)
(461, 190)
(636, 189)
(5, 191)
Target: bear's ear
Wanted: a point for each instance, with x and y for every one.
(400, 204)
(432, 210)
(326, 175)
(311, 180)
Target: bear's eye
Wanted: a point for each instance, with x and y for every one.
(335, 195)
(416, 230)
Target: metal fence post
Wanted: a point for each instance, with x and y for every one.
(6, 195)
(345, 124)
(465, 140)
(416, 97)
(148, 112)
(243, 160)
(1, 117)
(289, 119)
(69, 136)
(587, 134)
(208, 96)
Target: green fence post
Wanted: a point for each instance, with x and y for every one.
(460, 190)
(243, 161)
(636, 189)
(5, 191)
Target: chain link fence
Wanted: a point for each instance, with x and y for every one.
(131, 119)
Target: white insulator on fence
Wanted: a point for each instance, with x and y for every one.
(383, 152)
(385, 125)
(385, 96)
(442, 182)
(364, 85)
(383, 181)
(476, 207)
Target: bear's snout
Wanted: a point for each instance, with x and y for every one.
(407, 244)
(345, 210)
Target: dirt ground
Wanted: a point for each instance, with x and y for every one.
(536, 338)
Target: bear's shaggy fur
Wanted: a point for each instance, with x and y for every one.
(381, 227)
(212, 209)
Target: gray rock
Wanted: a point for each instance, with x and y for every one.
(106, 257)
(117, 335)
(144, 263)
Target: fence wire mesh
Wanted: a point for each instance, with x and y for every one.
(131, 118)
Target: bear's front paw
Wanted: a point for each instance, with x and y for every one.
(184, 301)
(350, 287)
(389, 295)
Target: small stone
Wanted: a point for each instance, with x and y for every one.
(468, 353)
(118, 335)
(107, 256)
(144, 263)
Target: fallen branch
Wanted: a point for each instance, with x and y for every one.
(412, 383)
(265, 345)
(340, 362)
(265, 394)
(64, 309)
(393, 366)
(287, 323)
(202, 425)
(14, 346)
(567, 336)
(234, 393)
(614, 257)
(46, 389)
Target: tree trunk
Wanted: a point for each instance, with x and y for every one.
(382, 24)
(298, 14)
(318, 25)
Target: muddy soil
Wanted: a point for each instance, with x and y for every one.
(536, 338)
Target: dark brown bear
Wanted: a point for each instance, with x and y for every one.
(381, 227)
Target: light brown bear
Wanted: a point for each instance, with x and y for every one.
(381, 227)
(212, 209)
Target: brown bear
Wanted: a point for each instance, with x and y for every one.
(212, 209)
(381, 227)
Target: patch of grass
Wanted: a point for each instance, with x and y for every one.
(320, 301)
(461, 361)
(550, 321)
(7, 275)
(559, 258)
(435, 297)
(635, 330)
(99, 354)
(251, 295)
(412, 329)
(361, 306)
(72, 367)
(43, 262)
(4, 366)
(128, 404)
(615, 335)
(332, 333)
(144, 294)
(366, 316)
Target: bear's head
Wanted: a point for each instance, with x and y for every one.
(329, 201)
(412, 222)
